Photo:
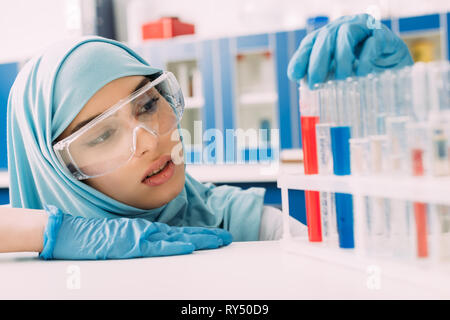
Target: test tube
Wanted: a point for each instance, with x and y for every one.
(360, 101)
(359, 143)
(403, 123)
(340, 136)
(376, 208)
(309, 117)
(376, 125)
(439, 122)
(396, 122)
(397, 99)
(327, 105)
(441, 232)
(438, 99)
(419, 129)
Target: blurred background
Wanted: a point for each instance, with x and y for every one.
(230, 58)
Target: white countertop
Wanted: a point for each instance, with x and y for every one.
(242, 270)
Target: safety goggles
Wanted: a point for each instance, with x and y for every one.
(109, 141)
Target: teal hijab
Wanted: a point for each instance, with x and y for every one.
(46, 96)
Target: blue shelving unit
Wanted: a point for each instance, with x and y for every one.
(419, 23)
(430, 30)
(447, 34)
(8, 73)
(4, 196)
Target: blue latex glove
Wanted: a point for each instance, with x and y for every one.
(351, 45)
(77, 238)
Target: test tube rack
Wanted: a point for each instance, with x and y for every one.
(428, 273)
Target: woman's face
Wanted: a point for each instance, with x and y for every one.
(128, 184)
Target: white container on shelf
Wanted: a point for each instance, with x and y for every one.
(4, 179)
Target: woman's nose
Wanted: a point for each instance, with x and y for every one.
(145, 141)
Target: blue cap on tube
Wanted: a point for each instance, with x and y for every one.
(314, 23)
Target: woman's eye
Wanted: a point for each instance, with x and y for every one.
(148, 107)
(101, 138)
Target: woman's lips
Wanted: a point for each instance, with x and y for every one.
(156, 165)
(161, 177)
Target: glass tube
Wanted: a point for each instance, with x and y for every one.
(309, 117)
(340, 135)
(359, 143)
(441, 233)
(327, 105)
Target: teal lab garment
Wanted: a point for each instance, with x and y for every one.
(46, 96)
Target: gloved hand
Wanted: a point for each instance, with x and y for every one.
(78, 238)
(348, 46)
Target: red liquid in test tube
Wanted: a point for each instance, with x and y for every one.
(309, 119)
(309, 144)
(420, 209)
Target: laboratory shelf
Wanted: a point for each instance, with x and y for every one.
(422, 189)
(259, 98)
(193, 103)
(224, 173)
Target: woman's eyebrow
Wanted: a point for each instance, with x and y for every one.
(84, 122)
(141, 84)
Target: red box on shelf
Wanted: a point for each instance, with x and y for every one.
(166, 27)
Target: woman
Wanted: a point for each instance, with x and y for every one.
(93, 139)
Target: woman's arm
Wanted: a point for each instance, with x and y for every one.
(22, 230)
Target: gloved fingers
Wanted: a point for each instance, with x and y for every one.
(222, 237)
(223, 234)
(200, 241)
(367, 55)
(391, 49)
(378, 55)
(350, 38)
(165, 248)
(316, 56)
(321, 57)
(189, 230)
(162, 227)
(322, 60)
(298, 64)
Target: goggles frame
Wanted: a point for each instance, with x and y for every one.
(62, 146)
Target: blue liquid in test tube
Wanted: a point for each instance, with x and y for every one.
(340, 146)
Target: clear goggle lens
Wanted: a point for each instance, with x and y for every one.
(109, 141)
